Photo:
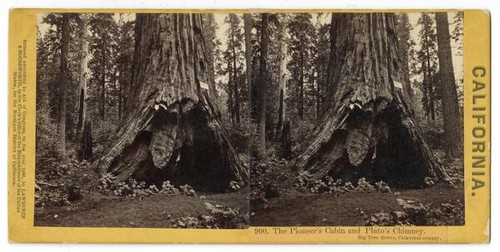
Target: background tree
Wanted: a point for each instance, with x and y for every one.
(301, 50)
(283, 125)
(429, 66)
(452, 119)
(46, 98)
(457, 36)
(403, 29)
(322, 54)
(213, 53)
(103, 47)
(50, 87)
(123, 59)
(234, 57)
(63, 96)
(262, 86)
(458, 31)
(248, 26)
(84, 122)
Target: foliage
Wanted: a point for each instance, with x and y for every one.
(258, 172)
(234, 186)
(331, 186)
(124, 57)
(111, 51)
(54, 178)
(321, 61)
(112, 47)
(46, 144)
(187, 190)
(220, 217)
(302, 51)
(232, 68)
(265, 179)
(301, 132)
(454, 167)
(133, 188)
(55, 196)
(227, 217)
(428, 58)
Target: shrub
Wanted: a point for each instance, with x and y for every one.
(188, 190)
(331, 186)
(133, 188)
(234, 186)
(220, 217)
(168, 188)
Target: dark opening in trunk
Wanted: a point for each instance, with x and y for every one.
(197, 157)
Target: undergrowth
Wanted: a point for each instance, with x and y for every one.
(414, 213)
(331, 186)
(220, 217)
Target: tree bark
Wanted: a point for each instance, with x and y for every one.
(84, 124)
(301, 84)
(282, 75)
(103, 80)
(172, 131)
(263, 78)
(86, 152)
(283, 126)
(430, 84)
(368, 130)
(318, 96)
(235, 82)
(120, 101)
(286, 140)
(426, 95)
(451, 113)
(403, 48)
(63, 96)
(230, 94)
(247, 23)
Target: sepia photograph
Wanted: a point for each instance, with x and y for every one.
(131, 128)
(231, 120)
(364, 126)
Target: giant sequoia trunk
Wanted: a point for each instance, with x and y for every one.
(368, 130)
(172, 131)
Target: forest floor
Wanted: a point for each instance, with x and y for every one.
(225, 210)
(72, 194)
(276, 201)
(293, 208)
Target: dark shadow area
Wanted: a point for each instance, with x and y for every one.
(395, 157)
(197, 158)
